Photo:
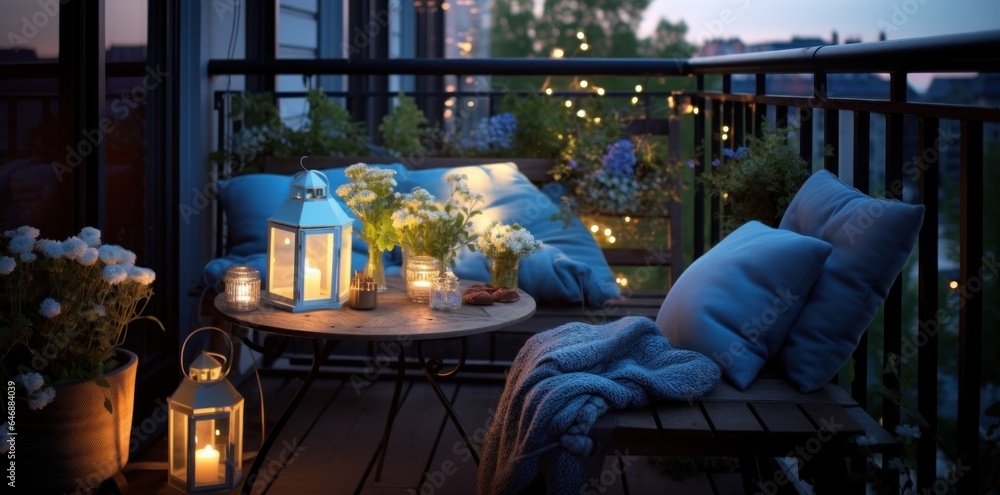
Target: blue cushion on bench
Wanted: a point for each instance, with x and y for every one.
(737, 302)
(871, 238)
(571, 266)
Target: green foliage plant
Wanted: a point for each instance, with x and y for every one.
(404, 131)
(757, 181)
(543, 124)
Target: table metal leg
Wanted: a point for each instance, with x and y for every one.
(393, 409)
(432, 370)
(320, 353)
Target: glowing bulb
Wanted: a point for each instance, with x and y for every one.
(597, 120)
(569, 103)
(624, 282)
(583, 83)
(594, 228)
(449, 103)
(579, 35)
(696, 110)
(635, 99)
(287, 241)
(670, 101)
(447, 114)
(725, 137)
(612, 239)
(725, 128)
(725, 195)
(558, 53)
(217, 433)
(584, 46)
(953, 284)
(548, 91)
(582, 113)
(638, 88)
(470, 103)
(607, 231)
(628, 219)
(600, 91)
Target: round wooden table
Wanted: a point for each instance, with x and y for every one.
(395, 319)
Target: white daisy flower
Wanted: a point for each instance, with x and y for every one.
(50, 308)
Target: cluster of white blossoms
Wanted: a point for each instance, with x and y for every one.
(37, 396)
(501, 241)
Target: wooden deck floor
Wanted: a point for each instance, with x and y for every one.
(330, 445)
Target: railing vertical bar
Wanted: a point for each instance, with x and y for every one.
(738, 126)
(926, 339)
(760, 110)
(862, 172)
(970, 312)
(715, 128)
(806, 135)
(831, 137)
(781, 116)
(698, 223)
(12, 141)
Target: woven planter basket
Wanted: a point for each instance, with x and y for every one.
(74, 444)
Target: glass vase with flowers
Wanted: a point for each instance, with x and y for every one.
(371, 198)
(505, 245)
(425, 226)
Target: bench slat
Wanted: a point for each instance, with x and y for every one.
(682, 419)
(732, 418)
(768, 390)
(783, 418)
(832, 418)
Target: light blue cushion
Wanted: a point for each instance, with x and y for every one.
(871, 238)
(570, 269)
(737, 302)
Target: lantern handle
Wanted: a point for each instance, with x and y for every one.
(227, 362)
(302, 164)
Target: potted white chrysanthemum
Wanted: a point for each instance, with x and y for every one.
(505, 245)
(66, 306)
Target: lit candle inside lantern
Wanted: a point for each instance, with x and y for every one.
(206, 466)
(313, 276)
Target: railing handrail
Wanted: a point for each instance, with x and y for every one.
(965, 52)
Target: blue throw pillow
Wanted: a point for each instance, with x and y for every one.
(571, 268)
(737, 302)
(871, 238)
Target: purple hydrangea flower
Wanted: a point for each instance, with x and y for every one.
(742, 152)
(728, 153)
(496, 132)
(620, 158)
(691, 163)
(716, 162)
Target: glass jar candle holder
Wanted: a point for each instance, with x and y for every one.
(242, 288)
(421, 273)
(447, 293)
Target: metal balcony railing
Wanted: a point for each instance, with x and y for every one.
(903, 120)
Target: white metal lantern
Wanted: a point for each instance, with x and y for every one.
(309, 248)
(205, 427)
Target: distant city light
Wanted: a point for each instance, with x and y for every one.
(450, 88)
(445, 6)
(558, 53)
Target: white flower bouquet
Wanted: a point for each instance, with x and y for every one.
(505, 245)
(65, 308)
(427, 227)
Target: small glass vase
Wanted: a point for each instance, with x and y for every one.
(503, 273)
(375, 268)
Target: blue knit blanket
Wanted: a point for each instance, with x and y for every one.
(562, 380)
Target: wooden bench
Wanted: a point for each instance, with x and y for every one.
(768, 420)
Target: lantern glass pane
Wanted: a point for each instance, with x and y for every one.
(281, 266)
(178, 445)
(344, 254)
(211, 450)
(318, 266)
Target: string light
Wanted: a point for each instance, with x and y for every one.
(558, 53)
(594, 228)
(953, 284)
(607, 232)
(548, 91)
(597, 120)
(579, 35)
(600, 91)
(725, 128)
(569, 103)
(584, 83)
(635, 99)
(638, 88)
(612, 239)
(695, 110)
(582, 113)
(628, 219)
(584, 46)
(725, 137)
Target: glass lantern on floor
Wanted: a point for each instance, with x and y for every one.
(205, 428)
(309, 248)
